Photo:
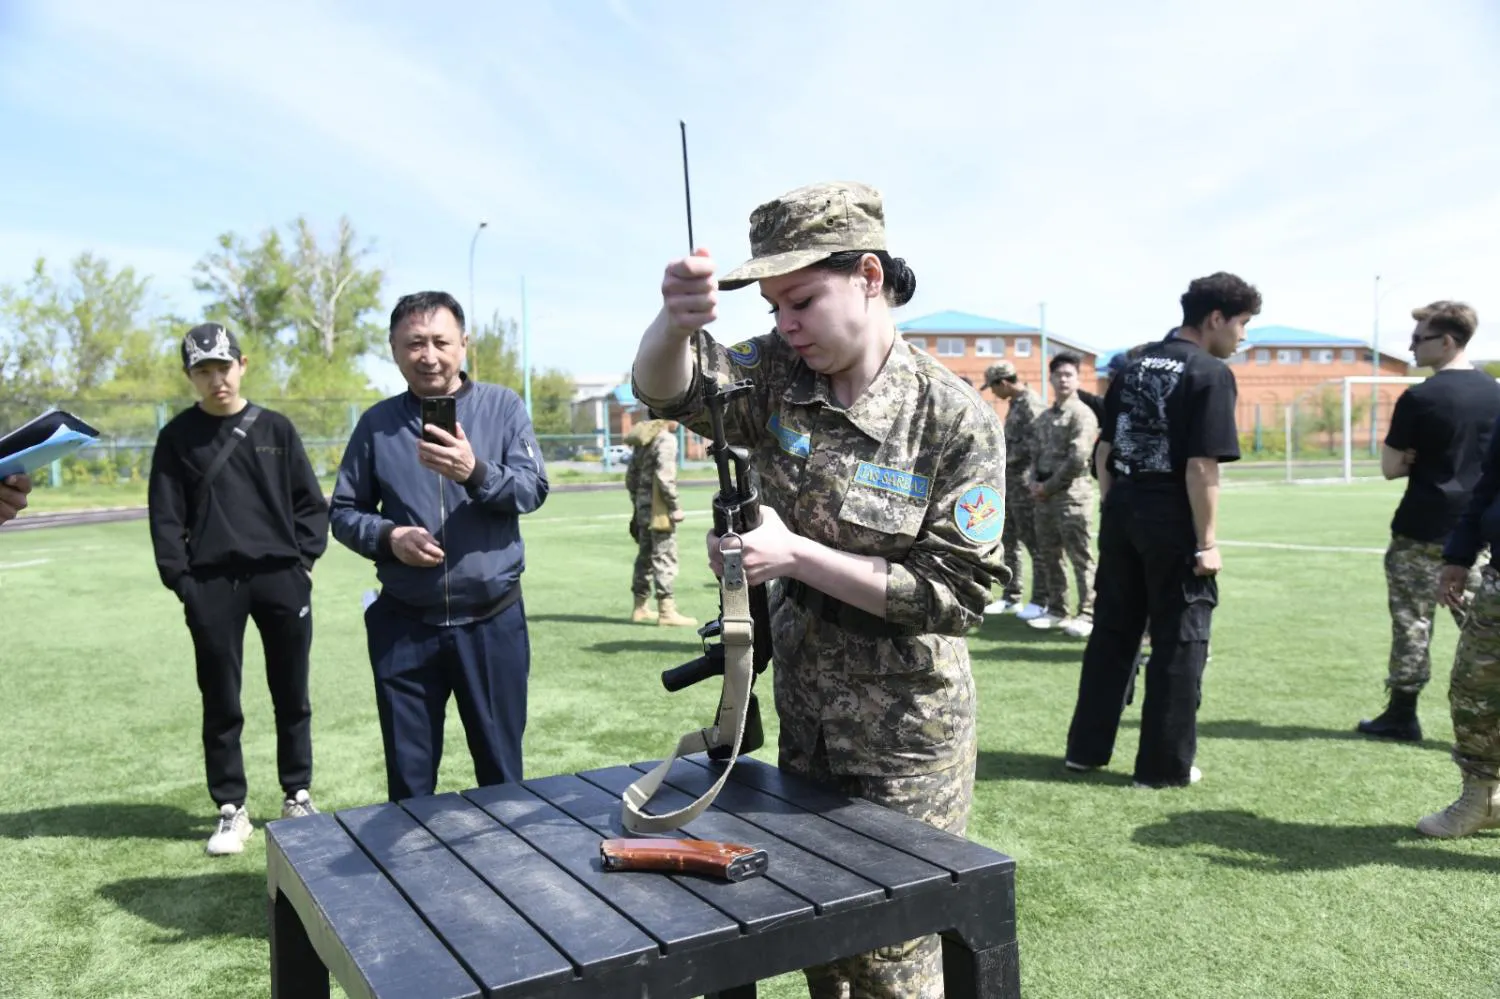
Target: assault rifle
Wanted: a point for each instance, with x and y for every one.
(736, 509)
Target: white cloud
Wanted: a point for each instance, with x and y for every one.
(1093, 158)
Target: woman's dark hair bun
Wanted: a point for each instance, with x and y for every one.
(902, 281)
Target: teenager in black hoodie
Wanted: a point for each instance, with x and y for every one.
(241, 548)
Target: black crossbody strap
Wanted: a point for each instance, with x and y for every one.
(238, 434)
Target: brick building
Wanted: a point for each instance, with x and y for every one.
(1282, 366)
(966, 344)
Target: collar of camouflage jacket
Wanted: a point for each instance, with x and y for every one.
(874, 412)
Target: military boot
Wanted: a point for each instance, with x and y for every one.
(642, 612)
(1398, 721)
(1478, 807)
(669, 617)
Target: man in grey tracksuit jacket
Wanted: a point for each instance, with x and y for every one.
(449, 557)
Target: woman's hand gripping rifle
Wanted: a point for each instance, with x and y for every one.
(743, 630)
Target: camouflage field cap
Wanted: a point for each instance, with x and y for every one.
(807, 225)
(998, 372)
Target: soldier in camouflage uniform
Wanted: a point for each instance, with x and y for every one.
(883, 479)
(1065, 497)
(1436, 441)
(1474, 687)
(1020, 512)
(651, 480)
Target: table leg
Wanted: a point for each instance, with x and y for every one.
(993, 973)
(296, 970)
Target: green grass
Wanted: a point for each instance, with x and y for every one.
(1292, 871)
(95, 495)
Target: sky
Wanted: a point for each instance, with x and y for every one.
(1092, 157)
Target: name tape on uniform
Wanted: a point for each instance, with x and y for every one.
(893, 480)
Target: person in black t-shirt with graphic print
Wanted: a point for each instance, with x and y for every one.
(1169, 421)
(1437, 440)
(241, 548)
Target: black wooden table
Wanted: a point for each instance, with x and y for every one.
(498, 891)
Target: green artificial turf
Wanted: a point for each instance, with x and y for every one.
(1292, 870)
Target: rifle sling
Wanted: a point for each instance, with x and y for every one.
(729, 727)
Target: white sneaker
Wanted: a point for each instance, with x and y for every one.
(1030, 611)
(1078, 768)
(997, 607)
(1078, 628)
(1194, 776)
(230, 833)
(1045, 622)
(298, 805)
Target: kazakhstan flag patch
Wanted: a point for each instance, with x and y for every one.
(793, 442)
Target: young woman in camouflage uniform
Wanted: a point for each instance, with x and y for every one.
(883, 480)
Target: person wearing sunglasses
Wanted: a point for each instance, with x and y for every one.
(1437, 439)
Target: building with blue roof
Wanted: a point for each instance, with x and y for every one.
(966, 344)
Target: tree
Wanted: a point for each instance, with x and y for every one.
(66, 338)
(248, 288)
(333, 295)
(1327, 416)
(305, 316)
(495, 357)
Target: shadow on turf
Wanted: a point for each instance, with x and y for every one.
(1042, 652)
(623, 618)
(1248, 728)
(994, 765)
(1254, 843)
(231, 903)
(108, 820)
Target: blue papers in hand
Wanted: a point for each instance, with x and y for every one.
(53, 435)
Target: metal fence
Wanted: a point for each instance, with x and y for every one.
(128, 431)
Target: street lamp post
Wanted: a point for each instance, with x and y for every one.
(473, 315)
(1042, 317)
(1375, 373)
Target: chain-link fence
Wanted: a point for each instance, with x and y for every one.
(128, 430)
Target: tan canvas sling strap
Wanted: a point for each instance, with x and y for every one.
(734, 703)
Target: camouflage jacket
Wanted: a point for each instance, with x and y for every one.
(651, 476)
(914, 472)
(1064, 439)
(1020, 446)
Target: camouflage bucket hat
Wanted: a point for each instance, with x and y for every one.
(807, 225)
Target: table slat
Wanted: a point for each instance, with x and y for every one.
(673, 915)
(960, 856)
(589, 933)
(899, 873)
(501, 949)
(827, 886)
(379, 941)
(758, 902)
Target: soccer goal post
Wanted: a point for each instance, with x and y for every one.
(1376, 415)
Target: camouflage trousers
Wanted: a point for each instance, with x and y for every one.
(1411, 578)
(1474, 688)
(1064, 534)
(1019, 532)
(655, 562)
(914, 969)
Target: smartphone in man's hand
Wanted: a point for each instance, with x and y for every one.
(439, 411)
